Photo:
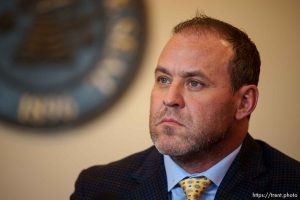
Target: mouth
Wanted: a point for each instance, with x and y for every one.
(170, 121)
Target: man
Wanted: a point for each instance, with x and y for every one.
(204, 93)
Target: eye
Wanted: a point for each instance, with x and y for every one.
(195, 84)
(163, 80)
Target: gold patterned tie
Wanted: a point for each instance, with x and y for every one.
(193, 187)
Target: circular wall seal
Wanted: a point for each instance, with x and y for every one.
(63, 61)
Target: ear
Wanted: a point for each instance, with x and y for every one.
(248, 96)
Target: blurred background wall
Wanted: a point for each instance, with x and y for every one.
(39, 166)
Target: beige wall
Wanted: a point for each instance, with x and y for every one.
(44, 167)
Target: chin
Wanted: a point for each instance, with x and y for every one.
(170, 145)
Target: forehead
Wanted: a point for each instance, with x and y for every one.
(187, 51)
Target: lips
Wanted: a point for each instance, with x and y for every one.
(170, 121)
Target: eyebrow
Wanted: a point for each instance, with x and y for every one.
(161, 70)
(184, 74)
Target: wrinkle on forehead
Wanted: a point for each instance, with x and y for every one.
(204, 32)
(210, 42)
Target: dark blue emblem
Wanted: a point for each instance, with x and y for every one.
(63, 61)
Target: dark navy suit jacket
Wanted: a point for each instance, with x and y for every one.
(257, 170)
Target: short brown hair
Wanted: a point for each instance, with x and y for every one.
(245, 66)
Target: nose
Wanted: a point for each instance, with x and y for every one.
(174, 97)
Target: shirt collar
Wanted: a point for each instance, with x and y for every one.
(216, 173)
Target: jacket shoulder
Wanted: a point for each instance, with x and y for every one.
(258, 170)
(123, 166)
(116, 178)
(277, 161)
(282, 172)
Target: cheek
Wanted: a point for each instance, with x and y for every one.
(206, 110)
(221, 113)
(155, 102)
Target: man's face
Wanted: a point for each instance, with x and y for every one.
(192, 103)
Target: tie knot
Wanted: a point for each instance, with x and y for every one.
(193, 187)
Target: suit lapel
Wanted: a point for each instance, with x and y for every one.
(239, 182)
(151, 179)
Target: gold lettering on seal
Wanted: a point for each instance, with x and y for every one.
(103, 76)
(38, 110)
(120, 44)
(115, 4)
(122, 37)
